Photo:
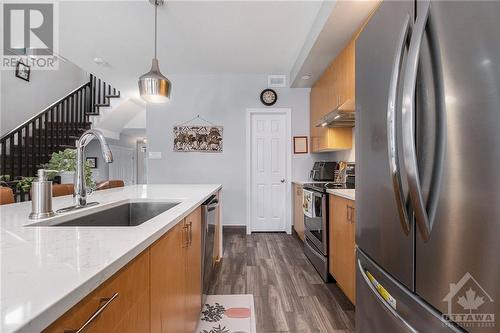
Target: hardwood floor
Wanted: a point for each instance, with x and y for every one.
(289, 294)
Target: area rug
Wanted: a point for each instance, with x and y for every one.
(227, 314)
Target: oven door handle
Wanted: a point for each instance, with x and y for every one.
(307, 202)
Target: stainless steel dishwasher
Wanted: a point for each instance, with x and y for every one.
(208, 225)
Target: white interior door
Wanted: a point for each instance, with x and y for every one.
(123, 166)
(268, 171)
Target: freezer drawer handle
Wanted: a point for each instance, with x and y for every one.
(424, 218)
(382, 300)
(394, 163)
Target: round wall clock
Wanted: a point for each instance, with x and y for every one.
(268, 97)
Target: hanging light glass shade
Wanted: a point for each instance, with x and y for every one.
(154, 87)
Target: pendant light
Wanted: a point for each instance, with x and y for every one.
(154, 87)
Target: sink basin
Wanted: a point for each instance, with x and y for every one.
(128, 214)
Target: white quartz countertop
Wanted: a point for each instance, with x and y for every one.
(344, 193)
(44, 271)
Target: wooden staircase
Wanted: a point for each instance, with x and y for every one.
(26, 148)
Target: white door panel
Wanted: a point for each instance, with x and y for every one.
(123, 166)
(268, 171)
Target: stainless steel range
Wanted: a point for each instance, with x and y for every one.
(316, 224)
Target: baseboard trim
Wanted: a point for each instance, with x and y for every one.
(234, 227)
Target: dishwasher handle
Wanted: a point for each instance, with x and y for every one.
(212, 203)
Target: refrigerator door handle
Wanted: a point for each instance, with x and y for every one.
(381, 300)
(394, 163)
(424, 219)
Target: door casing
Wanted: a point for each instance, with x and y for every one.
(288, 154)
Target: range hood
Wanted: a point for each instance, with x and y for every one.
(341, 116)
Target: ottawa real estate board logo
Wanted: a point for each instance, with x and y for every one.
(29, 34)
(469, 305)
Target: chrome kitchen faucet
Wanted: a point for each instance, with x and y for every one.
(80, 192)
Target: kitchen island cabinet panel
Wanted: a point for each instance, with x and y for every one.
(168, 275)
(131, 287)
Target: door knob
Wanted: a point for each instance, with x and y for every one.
(283, 180)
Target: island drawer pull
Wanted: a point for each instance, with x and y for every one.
(185, 235)
(96, 314)
(190, 234)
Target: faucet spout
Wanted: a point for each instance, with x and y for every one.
(80, 193)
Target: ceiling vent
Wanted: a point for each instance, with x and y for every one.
(276, 81)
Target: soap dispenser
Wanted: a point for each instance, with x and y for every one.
(41, 196)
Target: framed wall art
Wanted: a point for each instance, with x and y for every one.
(23, 71)
(92, 161)
(300, 145)
(198, 139)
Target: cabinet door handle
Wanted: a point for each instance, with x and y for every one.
(96, 314)
(351, 215)
(348, 209)
(190, 233)
(185, 236)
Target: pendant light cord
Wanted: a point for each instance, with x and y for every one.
(156, 25)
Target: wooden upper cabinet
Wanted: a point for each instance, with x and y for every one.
(333, 88)
(342, 258)
(124, 299)
(193, 269)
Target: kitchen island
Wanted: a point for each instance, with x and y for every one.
(46, 270)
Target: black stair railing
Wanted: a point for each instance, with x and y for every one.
(28, 146)
(101, 94)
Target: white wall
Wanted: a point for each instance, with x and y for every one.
(22, 100)
(221, 99)
(101, 173)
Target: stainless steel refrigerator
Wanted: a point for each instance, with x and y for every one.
(428, 168)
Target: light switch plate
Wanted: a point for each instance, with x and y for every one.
(155, 155)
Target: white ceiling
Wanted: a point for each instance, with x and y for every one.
(205, 37)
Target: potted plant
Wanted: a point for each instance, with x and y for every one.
(23, 185)
(65, 162)
(4, 179)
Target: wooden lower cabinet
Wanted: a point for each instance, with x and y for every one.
(193, 285)
(298, 211)
(176, 278)
(128, 312)
(342, 257)
(168, 276)
(159, 291)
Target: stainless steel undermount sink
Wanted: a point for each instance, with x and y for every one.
(126, 214)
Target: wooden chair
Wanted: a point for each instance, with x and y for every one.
(6, 195)
(109, 184)
(59, 190)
